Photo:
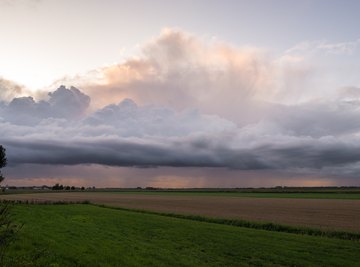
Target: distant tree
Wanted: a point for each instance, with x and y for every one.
(56, 187)
(3, 161)
(82, 188)
(67, 187)
(73, 188)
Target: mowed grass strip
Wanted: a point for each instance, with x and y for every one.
(87, 235)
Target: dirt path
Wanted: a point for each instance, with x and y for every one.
(320, 213)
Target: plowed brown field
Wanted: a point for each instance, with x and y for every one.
(320, 213)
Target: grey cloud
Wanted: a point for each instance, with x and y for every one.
(128, 119)
(317, 119)
(63, 103)
(68, 103)
(25, 111)
(108, 152)
(308, 154)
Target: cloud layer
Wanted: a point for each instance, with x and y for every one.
(307, 138)
(187, 103)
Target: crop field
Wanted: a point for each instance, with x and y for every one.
(88, 235)
(332, 214)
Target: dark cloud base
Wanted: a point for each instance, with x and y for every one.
(182, 153)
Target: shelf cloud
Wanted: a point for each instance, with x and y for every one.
(61, 131)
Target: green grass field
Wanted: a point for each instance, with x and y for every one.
(87, 235)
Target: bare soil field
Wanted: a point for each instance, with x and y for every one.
(320, 213)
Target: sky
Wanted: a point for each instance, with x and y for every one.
(180, 93)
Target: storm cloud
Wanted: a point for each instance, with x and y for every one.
(313, 137)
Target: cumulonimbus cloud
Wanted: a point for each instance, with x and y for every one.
(181, 70)
(185, 103)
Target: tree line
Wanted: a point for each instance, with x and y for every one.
(66, 187)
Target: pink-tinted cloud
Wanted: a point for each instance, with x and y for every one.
(181, 70)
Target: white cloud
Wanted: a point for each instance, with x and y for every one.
(325, 46)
